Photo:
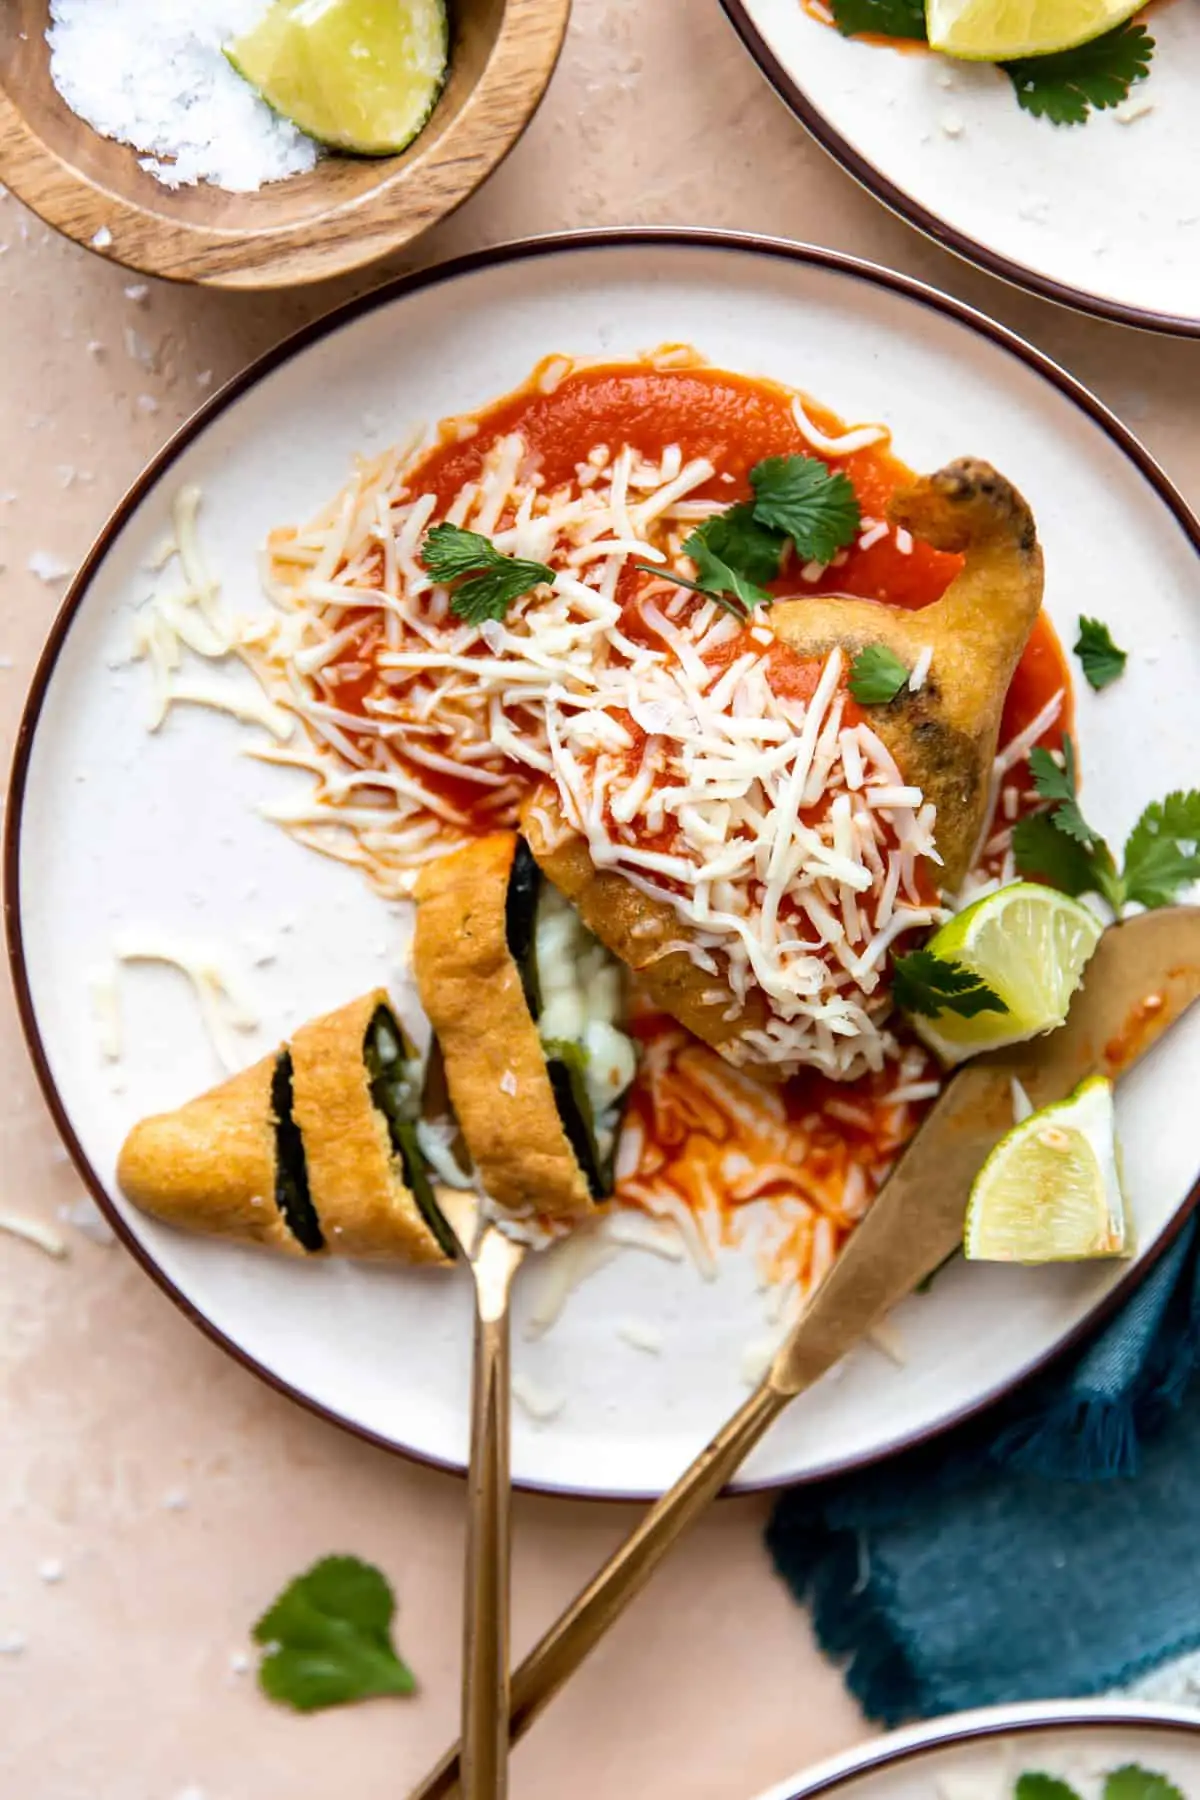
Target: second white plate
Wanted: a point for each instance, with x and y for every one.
(1103, 217)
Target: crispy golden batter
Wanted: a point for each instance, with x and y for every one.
(356, 1183)
(944, 737)
(211, 1164)
(621, 917)
(496, 1071)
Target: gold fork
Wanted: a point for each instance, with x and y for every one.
(493, 1260)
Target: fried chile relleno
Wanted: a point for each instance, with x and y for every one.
(312, 1150)
(522, 1053)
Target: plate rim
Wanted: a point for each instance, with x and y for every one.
(621, 238)
(904, 205)
(1012, 1719)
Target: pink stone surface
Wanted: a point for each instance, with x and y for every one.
(177, 1493)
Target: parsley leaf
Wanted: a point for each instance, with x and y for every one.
(1065, 87)
(1135, 1783)
(328, 1638)
(1034, 1785)
(449, 553)
(889, 18)
(1162, 854)
(1099, 657)
(929, 984)
(809, 503)
(876, 675)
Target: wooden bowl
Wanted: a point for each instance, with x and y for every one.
(346, 212)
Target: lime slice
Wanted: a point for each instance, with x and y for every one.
(1001, 30)
(1051, 1189)
(1030, 945)
(357, 75)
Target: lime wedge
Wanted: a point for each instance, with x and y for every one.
(1001, 30)
(1030, 945)
(357, 75)
(1051, 1189)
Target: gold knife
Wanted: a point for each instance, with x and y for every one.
(1142, 978)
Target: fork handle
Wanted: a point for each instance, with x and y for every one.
(581, 1627)
(486, 1612)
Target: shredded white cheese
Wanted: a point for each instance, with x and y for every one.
(224, 1010)
(33, 1231)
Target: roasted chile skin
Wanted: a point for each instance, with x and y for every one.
(564, 1068)
(402, 1121)
(292, 1196)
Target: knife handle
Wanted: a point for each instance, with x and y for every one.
(627, 1571)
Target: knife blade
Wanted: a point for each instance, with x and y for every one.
(1142, 978)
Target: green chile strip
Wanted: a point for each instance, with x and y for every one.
(393, 1071)
(520, 922)
(291, 1169)
(564, 1062)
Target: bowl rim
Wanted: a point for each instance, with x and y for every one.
(1016, 1719)
(397, 208)
(513, 253)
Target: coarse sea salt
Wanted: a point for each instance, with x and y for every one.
(151, 73)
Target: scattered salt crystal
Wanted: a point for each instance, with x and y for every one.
(137, 291)
(96, 349)
(48, 568)
(951, 125)
(175, 1500)
(139, 349)
(154, 76)
(102, 239)
(51, 1571)
(146, 403)
(12, 1643)
(204, 378)
(508, 1083)
(66, 474)
(239, 1662)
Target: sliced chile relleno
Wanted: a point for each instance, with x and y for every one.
(291, 1170)
(394, 1075)
(520, 922)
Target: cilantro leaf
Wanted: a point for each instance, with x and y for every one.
(1162, 853)
(1065, 87)
(1034, 1785)
(328, 1638)
(1041, 851)
(1099, 657)
(889, 18)
(737, 537)
(809, 503)
(733, 553)
(1091, 869)
(449, 553)
(1134, 1783)
(929, 984)
(877, 675)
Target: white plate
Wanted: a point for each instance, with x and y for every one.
(110, 829)
(1103, 216)
(981, 1753)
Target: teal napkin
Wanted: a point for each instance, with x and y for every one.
(1051, 1548)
